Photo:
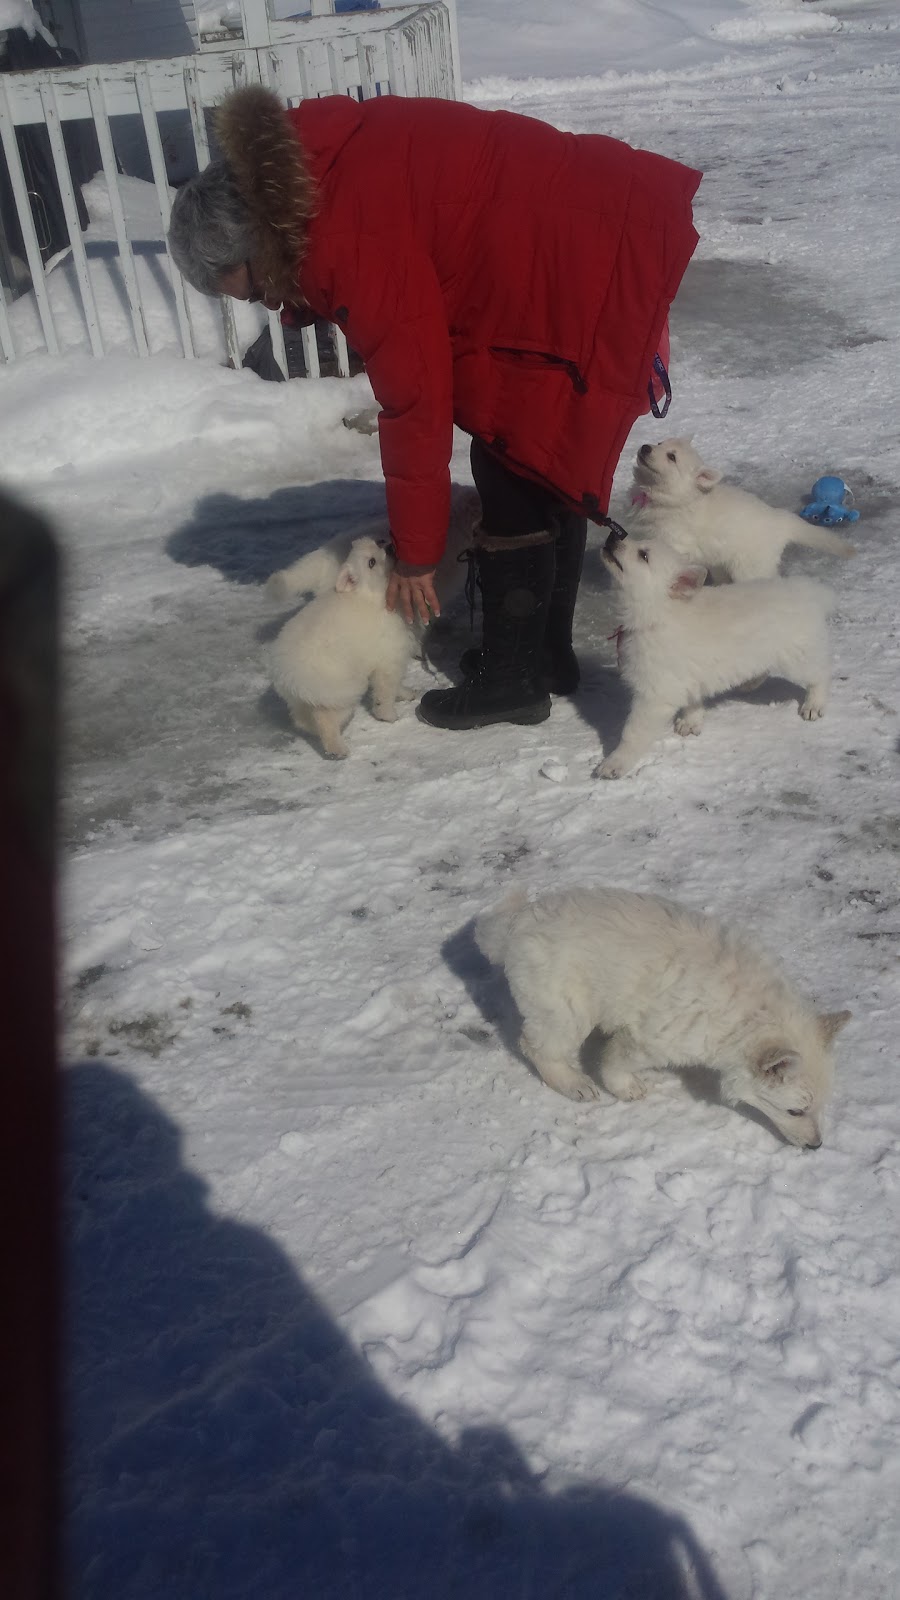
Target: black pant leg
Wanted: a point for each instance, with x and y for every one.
(510, 504)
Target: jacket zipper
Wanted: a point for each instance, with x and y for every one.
(546, 358)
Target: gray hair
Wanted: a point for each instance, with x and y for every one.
(210, 230)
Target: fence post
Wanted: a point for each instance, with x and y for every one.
(396, 53)
(201, 148)
(455, 59)
(126, 254)
(6, 338)
(70, 212)
(158, 168)
(255, 17)
(26, 222)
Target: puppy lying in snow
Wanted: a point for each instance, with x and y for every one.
(327, 655)
(671, 988)
(317, 571)
(679, 642)
(729, 530)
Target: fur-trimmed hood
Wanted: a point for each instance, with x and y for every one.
(273, 178)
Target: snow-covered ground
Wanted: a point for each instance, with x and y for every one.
(359, 1309)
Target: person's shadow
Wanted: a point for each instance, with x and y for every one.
(247, 540)
(227, 1442)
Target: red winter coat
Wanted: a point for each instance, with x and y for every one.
(496, 273)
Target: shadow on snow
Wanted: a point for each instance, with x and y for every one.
(247, 540)
(226, 1440)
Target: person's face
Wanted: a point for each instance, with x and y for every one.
(240, 284)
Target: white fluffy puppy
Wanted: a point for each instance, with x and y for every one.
(670, 988)
(679, 642)
(316, 572)
(327, 655)
(729, 530)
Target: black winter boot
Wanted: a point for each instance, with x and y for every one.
(559, 664)
(516, 579)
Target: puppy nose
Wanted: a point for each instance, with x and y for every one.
(814, 1144)
(614, 539)
(645, 451)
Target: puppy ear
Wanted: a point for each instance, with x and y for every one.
(688, 581)
(346, 579)
(707, 478)
(776, 1065)
(831, 1022)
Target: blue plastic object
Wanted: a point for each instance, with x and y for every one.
(341, 8)
(828, 504)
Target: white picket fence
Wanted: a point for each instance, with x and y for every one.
(404, 49)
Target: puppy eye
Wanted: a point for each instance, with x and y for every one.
(796, 1113)
(644, 555)
(670, 455)
(372, 561)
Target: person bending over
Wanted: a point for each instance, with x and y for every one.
(491, 272)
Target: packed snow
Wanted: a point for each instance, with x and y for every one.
(358, 1309)
(19, 14)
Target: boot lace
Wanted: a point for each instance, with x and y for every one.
(473, 582)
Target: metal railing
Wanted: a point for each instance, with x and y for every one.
(405, 49)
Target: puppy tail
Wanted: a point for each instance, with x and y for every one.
(492, 930)
(312, 574)
(816, 538)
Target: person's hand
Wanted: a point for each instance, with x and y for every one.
(415, 596)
